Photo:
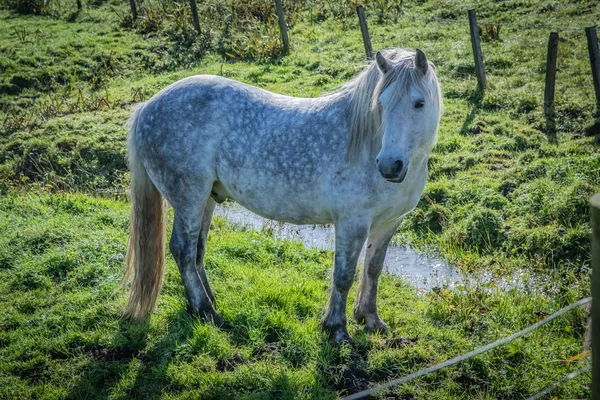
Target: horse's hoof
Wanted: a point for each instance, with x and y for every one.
(338, 333)
(220, 323)
(216, 319)
(377, 325)
(372, 323)
(209, 315)
(342, 336)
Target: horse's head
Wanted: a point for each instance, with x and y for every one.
(409, 100)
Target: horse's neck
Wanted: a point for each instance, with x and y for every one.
(335, 107)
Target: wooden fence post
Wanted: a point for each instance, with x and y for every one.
(476, 45)
(362, 20)
(595, 210)
(550, 82)
(283, 27)
(592, 40)
(194, 8)
(133, 9)
(551, 70)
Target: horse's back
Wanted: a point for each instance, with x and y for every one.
(189, 118)
(208, 104)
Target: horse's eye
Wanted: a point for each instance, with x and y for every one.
(419, 104)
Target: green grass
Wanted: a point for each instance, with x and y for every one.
(503, 195)
(60, 335)
(500, 188)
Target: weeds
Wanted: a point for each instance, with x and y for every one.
(55, 105)
(489, 31)
(27, 6)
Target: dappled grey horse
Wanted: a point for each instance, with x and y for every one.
(356, 158)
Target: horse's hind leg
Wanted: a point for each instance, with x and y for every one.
(201, 248)
(184, 245)
(365, 307)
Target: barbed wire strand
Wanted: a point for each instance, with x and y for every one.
(466, 356)
(551, 388)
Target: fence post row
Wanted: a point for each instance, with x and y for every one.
(282, 27)
(592, 40)
(595, 211)
(476, 44)
(133, 9)
(362, 20)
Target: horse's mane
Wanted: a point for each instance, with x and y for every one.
(364, 89)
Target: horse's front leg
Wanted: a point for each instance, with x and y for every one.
(349, 239)
(365, 307)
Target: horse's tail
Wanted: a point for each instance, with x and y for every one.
(145, 258)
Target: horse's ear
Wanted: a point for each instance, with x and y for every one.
(382, 63)
(421, 62)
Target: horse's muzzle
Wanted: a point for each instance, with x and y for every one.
(393, 171)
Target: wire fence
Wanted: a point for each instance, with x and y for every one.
(474, 353)
(565, 379)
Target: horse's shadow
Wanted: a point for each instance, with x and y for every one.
(475, 104)
(342, 368)
(594, 128)
(128, 359)
(129, 368)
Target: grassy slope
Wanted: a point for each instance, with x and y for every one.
(60, 265)
(502, 195)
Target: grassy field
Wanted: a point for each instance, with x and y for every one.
(503, 195)
(60, 335)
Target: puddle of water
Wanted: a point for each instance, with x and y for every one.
(422, 271)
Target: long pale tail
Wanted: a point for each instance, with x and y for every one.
(144, 263)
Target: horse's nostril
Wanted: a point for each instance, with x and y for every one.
(399, 165)
(378, 161)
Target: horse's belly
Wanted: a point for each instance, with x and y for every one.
(281, 209)
(299, 203)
